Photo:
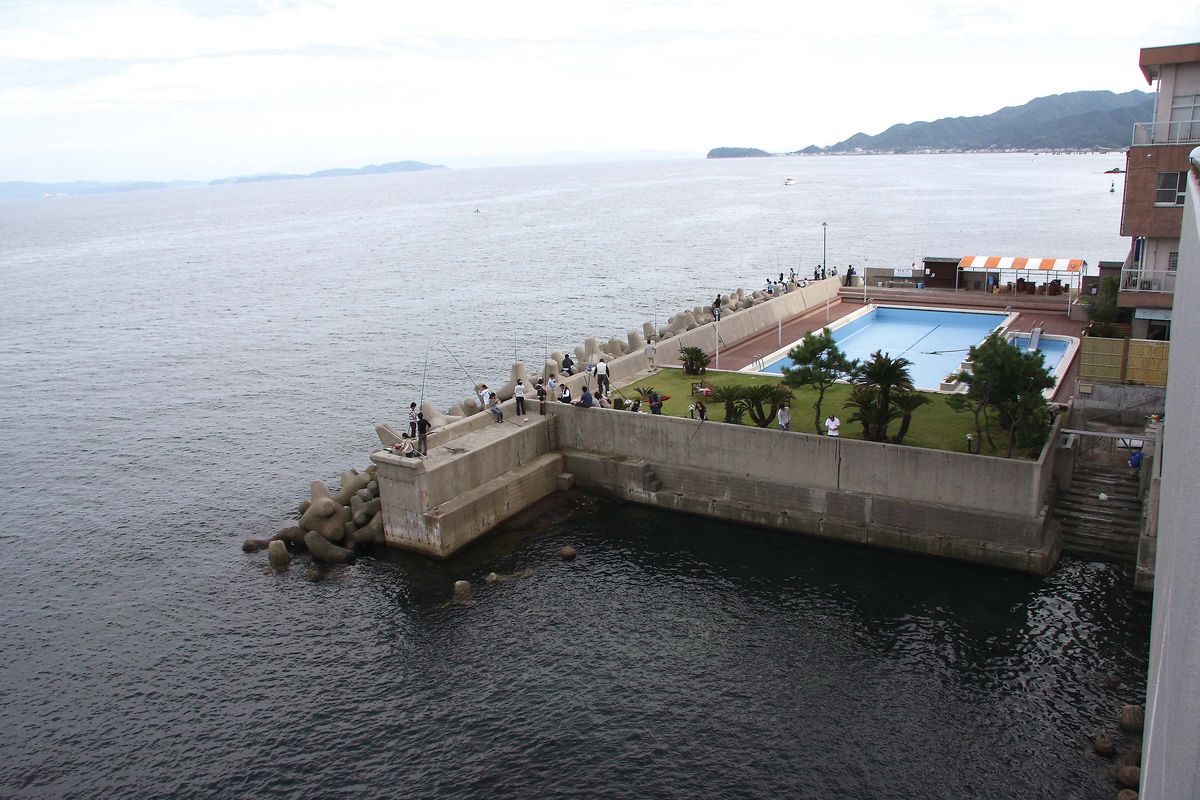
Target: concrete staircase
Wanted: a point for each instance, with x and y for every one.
(1102, 529)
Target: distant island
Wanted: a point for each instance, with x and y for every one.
(737, 152)
(24, 190)
(370, 169)
(1074, 121)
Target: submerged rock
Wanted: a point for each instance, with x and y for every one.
(1129, 777)
(254, 545)
(1133, 718)
(568, 553)
(1104, 746)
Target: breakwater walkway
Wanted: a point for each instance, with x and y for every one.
(479, 473)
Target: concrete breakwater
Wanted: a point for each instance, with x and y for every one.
(974, 508)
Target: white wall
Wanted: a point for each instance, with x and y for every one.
(1170, 768)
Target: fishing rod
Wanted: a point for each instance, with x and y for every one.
(474, 382)
(424, 372)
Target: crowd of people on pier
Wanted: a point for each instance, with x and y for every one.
(414, 442)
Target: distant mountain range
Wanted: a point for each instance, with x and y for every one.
(1071, 121)
(19, 190)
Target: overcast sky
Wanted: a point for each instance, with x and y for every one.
(201, 90)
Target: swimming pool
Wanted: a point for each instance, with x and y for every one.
(935, 341)
(1054, 348)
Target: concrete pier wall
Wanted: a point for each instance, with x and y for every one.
(987, 510)
(441, 504)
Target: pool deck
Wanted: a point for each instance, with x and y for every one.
(1048, 312)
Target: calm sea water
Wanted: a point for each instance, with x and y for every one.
(179, 365)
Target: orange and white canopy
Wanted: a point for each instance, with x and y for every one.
(1017, 263)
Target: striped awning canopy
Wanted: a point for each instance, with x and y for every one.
(997, 263)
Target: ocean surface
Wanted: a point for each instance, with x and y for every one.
(179, 365)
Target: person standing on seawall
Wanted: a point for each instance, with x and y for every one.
(602, 382)
(423, 427)
(519, 395)
(716, 307)
(540, 391)
(650, 351)
(833, 425)
(785, 418)
(412, 420)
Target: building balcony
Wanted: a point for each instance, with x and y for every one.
(1151, 133)
(1146, 288)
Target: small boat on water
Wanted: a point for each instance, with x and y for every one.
(1114, 171)
(788, 181)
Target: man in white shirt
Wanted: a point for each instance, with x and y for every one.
(785, 418)
(602, 382)
(519, 394)
(833, 425)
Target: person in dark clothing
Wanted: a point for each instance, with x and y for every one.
(423, 427)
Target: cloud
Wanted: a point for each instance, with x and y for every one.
(476, 77)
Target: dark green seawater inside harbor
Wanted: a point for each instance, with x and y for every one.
(179, 365)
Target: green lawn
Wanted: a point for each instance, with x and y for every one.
(934, 425)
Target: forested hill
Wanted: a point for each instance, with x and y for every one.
(1072, 121)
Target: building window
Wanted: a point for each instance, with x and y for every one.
(1170, 189)
(1173, 261)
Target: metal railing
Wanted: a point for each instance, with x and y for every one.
(1148, 280)
(1181, 132)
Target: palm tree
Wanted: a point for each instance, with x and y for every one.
(772, 395)
(906, 403)
(864, 402)
(734, 398)
(886, 375)
(694, 359)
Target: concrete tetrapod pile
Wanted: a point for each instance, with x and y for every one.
(332, 526)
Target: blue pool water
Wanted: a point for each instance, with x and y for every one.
(1053, 349)
(935, 342)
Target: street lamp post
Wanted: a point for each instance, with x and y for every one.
(825, 265)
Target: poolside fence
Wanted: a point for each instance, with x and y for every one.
(1138, 361)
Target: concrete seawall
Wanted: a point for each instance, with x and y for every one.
(974, 508)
